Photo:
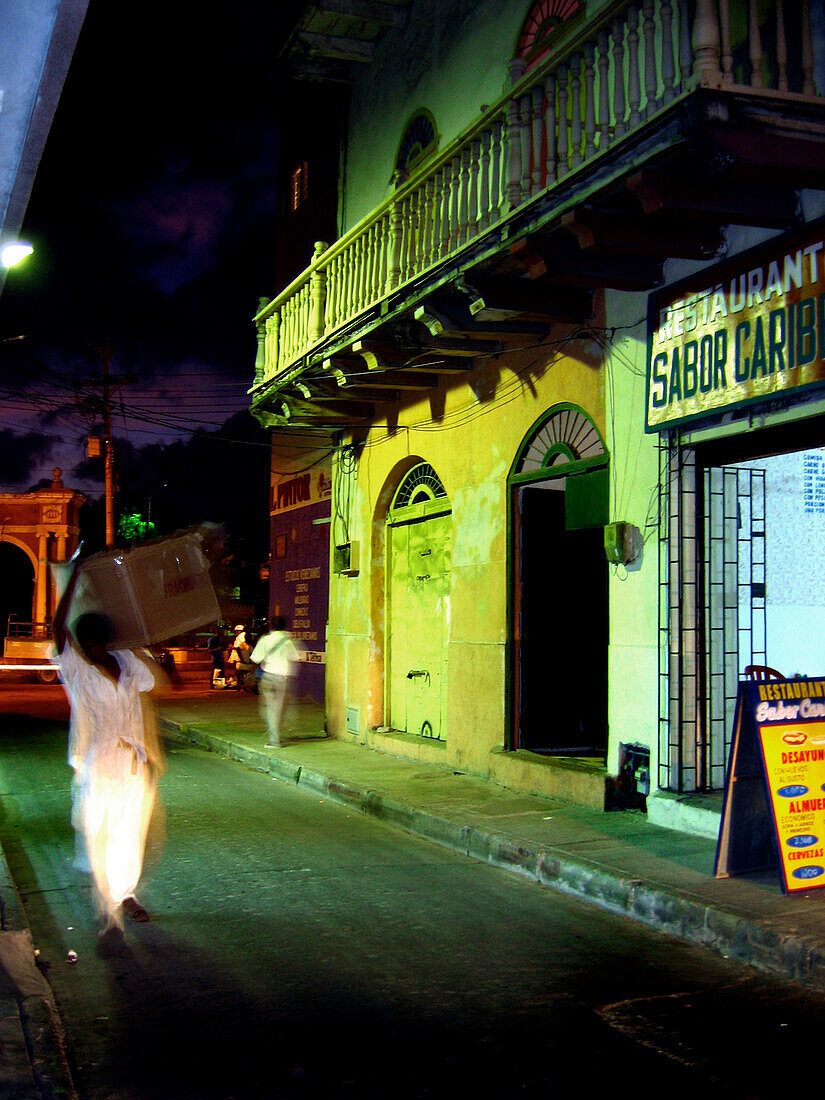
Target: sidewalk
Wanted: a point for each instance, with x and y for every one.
(618, 861)
(32, 1059)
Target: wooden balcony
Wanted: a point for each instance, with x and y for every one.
(637, 141)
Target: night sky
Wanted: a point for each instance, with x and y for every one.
(153, 221)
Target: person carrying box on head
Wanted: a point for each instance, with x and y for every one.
(116, 755)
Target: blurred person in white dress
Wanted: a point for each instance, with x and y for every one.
(116, 755)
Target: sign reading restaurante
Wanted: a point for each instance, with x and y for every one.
(740, 332)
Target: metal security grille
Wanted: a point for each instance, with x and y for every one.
(712, 615)
(734, 596)
(679, 636)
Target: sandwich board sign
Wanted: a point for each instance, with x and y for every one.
(774, 806)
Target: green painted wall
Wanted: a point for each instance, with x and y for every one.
(446, 45)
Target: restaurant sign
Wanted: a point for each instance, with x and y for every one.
(773, 812)
(745, 331)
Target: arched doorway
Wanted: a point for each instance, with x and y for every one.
(16, 586)
(558, 611)
(41, 526)
(418, 599)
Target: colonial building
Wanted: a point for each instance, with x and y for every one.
(552, 373)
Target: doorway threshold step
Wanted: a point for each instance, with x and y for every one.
(571, 778)
(698, 813)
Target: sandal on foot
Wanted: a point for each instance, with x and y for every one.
(134, 910)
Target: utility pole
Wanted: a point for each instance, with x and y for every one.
(109, 451)
(108, 387)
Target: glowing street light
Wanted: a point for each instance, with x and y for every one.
(14, 252)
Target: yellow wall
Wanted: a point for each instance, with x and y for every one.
(470, 432)
(633, 591)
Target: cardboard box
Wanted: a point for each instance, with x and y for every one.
(150, 593)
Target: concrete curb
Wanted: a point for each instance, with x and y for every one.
(33, 1062)
(656, 905)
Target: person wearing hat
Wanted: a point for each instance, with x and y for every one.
(240, 655)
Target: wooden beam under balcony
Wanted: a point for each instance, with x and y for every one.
(378, 379)
(454, 319)
(383, 355)
(780, 158)
(355, 391)
(401, 380)
(628, 233)
(320, 70)
(454, 347)
(500, 298)
(373, 11)
(432, 362)
(575, 268)
(725, 201)
(338, 47)
(297, 410)
(380, 355)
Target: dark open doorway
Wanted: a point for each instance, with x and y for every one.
(563, 627)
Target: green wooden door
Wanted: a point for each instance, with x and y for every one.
(419, 617)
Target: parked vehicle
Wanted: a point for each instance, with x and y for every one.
(28, 647)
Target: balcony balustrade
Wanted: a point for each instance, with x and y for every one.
(602, 87)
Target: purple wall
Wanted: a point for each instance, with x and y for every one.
(299, 586)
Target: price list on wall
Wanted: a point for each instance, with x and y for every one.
(813, 483)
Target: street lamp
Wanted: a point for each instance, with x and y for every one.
(13, 252)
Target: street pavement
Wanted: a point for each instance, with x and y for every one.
(618, 861)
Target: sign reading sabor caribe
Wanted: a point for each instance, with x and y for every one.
(739, 332)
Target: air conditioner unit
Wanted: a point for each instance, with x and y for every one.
(345, 559)
(622, 543)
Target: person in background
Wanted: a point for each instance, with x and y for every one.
(240, 655)
(115, 753)
(276, 654)
(216, 646)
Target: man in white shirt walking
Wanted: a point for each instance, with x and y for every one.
(276, 653)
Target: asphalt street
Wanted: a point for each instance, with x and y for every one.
(298, 948)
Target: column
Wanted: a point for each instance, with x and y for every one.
(42, 578)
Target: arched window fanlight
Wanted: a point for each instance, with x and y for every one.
(541, 26)
(568, 435)
(420, 485)
(419, 141)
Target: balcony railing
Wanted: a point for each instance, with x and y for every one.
(596, 91)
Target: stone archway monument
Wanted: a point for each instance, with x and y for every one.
(44, 524)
